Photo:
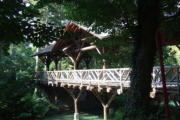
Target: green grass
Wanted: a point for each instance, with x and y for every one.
(69, 116)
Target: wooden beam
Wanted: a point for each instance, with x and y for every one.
(75, 98)
(111, 99)
(105, 104)
(88, 48)
(84, 39)
(99, 52)
(64, 49)
(178, 47)
(78, 56)
(92, 47)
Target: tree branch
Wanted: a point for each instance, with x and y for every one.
(178, 47)
(173, 16)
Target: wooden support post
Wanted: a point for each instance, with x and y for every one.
(75, 105)
(56, 99)
(107, 103)
(75, 97)
(56, 64)
(59, 65)
(48, 62)
(74, 62)
(55, 96)
(104, 63)
(105, 111)
(104, 60)
(47, 66)
(75, 65)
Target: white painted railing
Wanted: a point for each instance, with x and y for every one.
(172, 75)
(106, 77)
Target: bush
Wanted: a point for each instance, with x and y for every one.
(156, 112)
(18, 92)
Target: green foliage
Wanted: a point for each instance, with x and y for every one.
(19, 98)
(51, 13)
(18, 24)
(102, 13)
(157, 111)
(117, 51)
(119, 18)
(52, 66)
(124, 113)
(66, 64)
(18, 102)
(113, 17)
(169, 57)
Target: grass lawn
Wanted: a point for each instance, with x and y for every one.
(69, 116)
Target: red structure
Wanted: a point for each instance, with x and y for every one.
(161, 41)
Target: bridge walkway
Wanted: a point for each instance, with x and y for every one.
(108, 81)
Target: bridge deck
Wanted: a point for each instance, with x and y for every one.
(114, 78)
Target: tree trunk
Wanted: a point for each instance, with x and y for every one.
(14, 58)
(14, 51)
(1, 45)
(37, 61)
(144, 55)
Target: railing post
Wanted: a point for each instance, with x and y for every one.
(98, 73)
(120, 77)
(68, 77)
(88, 74)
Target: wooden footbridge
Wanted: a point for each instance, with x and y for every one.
(109, 81)
(105, 78)
(104, 83)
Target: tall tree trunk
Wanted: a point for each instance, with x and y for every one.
(37, 60)
(1, 45)
(144, 55)
(13, 58)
